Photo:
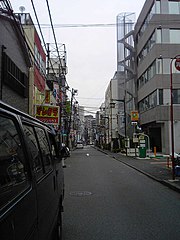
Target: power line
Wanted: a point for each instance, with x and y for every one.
(101, 25)
(90, 98)
(50, 17)
(79, 25)
(39, 26)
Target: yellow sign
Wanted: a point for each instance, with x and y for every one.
(48, 114)
(134, 116)
(47, 96)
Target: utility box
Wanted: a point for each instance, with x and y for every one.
(142, 152)
(142, 147)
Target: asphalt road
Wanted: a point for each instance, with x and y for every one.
(108, 200)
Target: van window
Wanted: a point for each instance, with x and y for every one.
(13, 169)
(34, 150)
(45, 149)
(54, 150)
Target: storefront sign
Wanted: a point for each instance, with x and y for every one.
(134, 116)
(48, 114)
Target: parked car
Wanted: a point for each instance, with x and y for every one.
(79, 145)
(31, 178)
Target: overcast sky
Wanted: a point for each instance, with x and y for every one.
(91, 51)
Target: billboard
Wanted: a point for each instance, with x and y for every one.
(48, 114)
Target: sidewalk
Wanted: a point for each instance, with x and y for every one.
(156, 168)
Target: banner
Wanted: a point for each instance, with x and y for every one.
(47, 96)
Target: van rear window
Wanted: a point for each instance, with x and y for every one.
(34, 150)
(44, 148)
(13, 170)
(39, 149)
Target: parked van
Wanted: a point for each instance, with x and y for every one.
(31, 178)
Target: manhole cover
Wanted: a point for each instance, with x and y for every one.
(80, 193)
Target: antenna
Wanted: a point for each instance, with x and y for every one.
(22, 9)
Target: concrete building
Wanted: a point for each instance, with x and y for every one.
(14, 61)
(80, 134)
(157, 43)
(111, 110)
(120, 94)
(89, 129)
(37, 74)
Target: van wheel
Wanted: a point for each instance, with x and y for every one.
(59, 227)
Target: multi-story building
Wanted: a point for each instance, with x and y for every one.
(157, 42)
(14, 61)
(111, 110)
(47, 89)
(120, 93)
(89, 129)
(147, 87)
(80, 133)
(37, 76)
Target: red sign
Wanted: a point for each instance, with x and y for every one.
(177, 64)
(48, 114)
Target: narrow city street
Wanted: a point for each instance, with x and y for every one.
(108, 200)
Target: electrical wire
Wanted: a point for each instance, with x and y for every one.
(42, 37)
(52, 27)
(79, 25)
(22, 34)
(101, 25)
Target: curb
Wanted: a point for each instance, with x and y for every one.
(164, 182)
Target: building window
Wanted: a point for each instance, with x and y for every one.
(155, 9)
(148, 46)
(159, 66)
(148, 102)
(158, 6)
(148, 74)
(158, 35)
(174, 36)
(176, 96)
(160, 96)
(166, 65)
(174, 7)
(13, 77)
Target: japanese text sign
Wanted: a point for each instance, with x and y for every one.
(48, 114)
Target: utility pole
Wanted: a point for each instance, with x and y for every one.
(73, 92)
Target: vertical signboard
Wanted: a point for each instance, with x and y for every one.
(134, 116)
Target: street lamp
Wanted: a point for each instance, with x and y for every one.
(177, 65)
(73, 93)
